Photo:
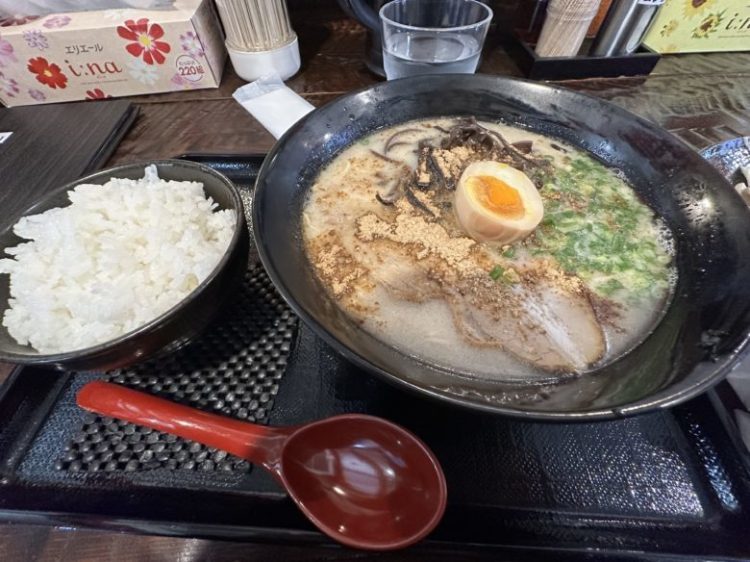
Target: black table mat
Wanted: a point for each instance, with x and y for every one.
(672, 482)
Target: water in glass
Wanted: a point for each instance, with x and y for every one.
(419, 52)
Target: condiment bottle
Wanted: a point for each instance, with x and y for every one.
(625, 26)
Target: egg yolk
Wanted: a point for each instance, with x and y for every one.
(497, 196)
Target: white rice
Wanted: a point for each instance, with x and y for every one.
(116, 258)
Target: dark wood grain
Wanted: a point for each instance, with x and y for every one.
(5, 369)
(701, 109)
(701, 98)
(713, 90)
(680, 102)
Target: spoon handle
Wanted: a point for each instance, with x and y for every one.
(255, 443)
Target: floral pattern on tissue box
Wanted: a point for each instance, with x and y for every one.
(99, 55)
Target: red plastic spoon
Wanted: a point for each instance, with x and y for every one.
(363, 481)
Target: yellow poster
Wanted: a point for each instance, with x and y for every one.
(693, 26)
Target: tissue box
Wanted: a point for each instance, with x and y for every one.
(694, 26)
(111, 53)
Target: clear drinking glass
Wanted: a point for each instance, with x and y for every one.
(433, 36)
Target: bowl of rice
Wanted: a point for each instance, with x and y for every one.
(120, 265)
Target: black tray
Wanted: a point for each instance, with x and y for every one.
(672, 482)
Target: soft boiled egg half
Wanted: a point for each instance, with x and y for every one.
(497, 203)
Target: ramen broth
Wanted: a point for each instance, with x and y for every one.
(588, 284)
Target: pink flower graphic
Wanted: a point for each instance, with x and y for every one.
(191, 44)
(182, 83)
(36, 39)
(16, 20)
(6, 53)
(57, 21)
(145, 40)
(38, 95)
(96, 94)
(8, 86)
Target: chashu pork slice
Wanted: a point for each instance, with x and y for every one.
(547, 325)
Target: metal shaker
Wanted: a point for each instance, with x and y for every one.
(624, 27)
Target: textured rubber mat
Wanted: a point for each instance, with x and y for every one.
(233, 369)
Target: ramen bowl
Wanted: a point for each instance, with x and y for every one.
(703, 331)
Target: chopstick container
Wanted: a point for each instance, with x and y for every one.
(251, 65)
(260, 39)
(565, 27)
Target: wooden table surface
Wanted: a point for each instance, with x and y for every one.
(701, 98)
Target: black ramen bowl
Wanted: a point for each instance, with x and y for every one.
(701, 335)
(174, 328)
